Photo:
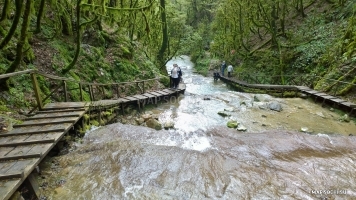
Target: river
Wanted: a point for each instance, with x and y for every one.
(203, 159)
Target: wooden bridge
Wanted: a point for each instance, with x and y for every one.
(24, 147)
(250, 82)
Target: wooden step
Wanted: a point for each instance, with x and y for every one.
(14, 144)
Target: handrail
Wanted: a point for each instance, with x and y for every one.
(16, 73)
(39, 99)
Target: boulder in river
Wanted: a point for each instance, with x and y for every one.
(224, 114)
(241, 127)
(274, 105)
(345, 118)
(152, 123)
(232, 124)
(168, 125)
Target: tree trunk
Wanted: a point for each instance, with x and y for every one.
(7, 38)
(78, 37)
(164, 44)
(39, 16)
(5, 10)
(19, 54)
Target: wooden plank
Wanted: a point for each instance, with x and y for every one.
(337, 100)
(59, 113)
(141, 97)
(8, 187)
(303, 88)
(14, 144)
(329, 97)
(169, 91)
(321, 94)
(5, 166)
(25, 166)
(348, 104)
(4, 140)
(63, 110)
(162, 93)
(124, 100)
(157, 94)
(148, 95)
(28, 123)
(311, 91)
(64, 105)
(53, 116)
(131, 98)
(31, 131)
(17, 157)
(6, 150)
(11, 176)
(56, 136)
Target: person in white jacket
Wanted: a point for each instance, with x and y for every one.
(229, 70)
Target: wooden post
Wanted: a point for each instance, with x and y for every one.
(65, 91)
(32, 185)
(81, 92)
(103, 91)
(117, 91)
(143, 87)
(91, 92)
(37, 91)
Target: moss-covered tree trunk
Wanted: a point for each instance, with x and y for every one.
(39, 16)
(5, 10)
(78, 39)
(15, 22)
(164, 44)
(20, 44)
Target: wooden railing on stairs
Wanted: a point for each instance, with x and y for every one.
(96, 91)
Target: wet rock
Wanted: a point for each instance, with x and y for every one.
(146, 117)
(260, 105)
(139, 120)
(345, 118)
(320, 114)
(153, 123)
(304, 129)
(224, 114)
(332, 109)
(256, 99)
(232, 124)
(168, 125)
(274, 105)
(229, 109)
(264, 116)
(155, 116)
(206, 98)
(241, 128)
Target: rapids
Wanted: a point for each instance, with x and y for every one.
(203, 159)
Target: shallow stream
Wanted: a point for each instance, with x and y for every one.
(203, 159)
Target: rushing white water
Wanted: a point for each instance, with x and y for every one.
(203, 159)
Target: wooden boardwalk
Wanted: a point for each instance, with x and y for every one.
(24, 147)
(306, 90)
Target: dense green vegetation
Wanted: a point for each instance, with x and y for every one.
(108, 41)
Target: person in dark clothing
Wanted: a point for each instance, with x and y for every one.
(223, 66)
(216, 75)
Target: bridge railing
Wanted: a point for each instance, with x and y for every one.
(330, 86)
(96, 91)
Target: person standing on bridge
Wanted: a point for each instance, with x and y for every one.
(229, 71)
(175, 75)
(223, 66)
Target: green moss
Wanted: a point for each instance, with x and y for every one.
(94, 123)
